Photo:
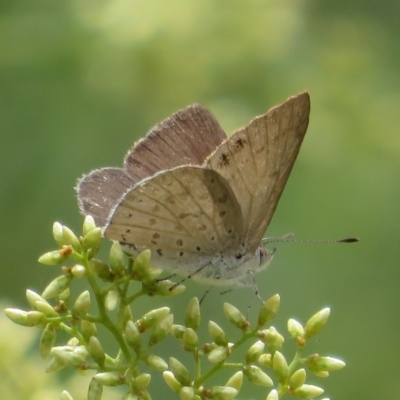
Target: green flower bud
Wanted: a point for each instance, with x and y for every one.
(254, 352)
(180, 372)
(321, 374)
(156, 362)
(18, 316)
(269, 310)
(265, 360)
(133, 336)
(78, 271)
(297, 332)
(112, 300)
(54, 365)
(308, 391)
(280, 366)
(236, 380)
(130, 396)
(65, 297)
(92, 240)
(273, 395)
(69, 238)
(46, 309)
(317, 363)
(223, 393)
(235, 316)
(37, 318)
(153, 317)
(57, 233)
(190, 338)
(166, 288)
(177, 331)
(33, 297)
(218, 354)
(96, 351)
(141, 264)
(317, 322)
(257, 376)
(187, 393)
(88, 225)
(192, 316)
(53, 258)
(65, 396)
(109, 379)
(72, 356)
(57, 286)
(142, 381)
(101, 270)
(161, 329)
(171, 381)
(95, 391)
(117, 259)
(217, 334)
(272, 338)
(297, 379)
(88, 329)
(47, 340)
(82, 305)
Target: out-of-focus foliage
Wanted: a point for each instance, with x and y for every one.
(81, 80)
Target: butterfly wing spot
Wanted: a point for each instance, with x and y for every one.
(152, 221)
(222, 213)
(238, 256)
(223, 199)
(183, 215)
(179, 242)
(130, 215)
(156, 235)
(128, 231)
(156, 208)
(181, 254)
(212, 238)
(239, 143)
(159, 252)
(198, 248)
(202, 228)
(153, 242)
(224, 160)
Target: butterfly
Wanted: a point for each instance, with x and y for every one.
(200, 201)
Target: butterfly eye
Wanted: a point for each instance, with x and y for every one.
(263, 255)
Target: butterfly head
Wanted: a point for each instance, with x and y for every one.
(264, 256)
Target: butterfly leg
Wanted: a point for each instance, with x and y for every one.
(205, 294)
(189, 276)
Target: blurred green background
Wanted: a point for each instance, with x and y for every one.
(80, 81)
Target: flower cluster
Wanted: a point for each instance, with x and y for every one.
(54, 310)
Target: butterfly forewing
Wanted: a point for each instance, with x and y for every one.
(185, 138)
(256, 162)
(178, 213)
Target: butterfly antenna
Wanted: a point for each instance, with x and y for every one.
(288, 239)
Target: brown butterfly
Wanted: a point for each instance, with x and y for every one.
(199, 200)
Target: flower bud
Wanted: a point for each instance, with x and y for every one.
(72, 356)
(190, 338)
(112, 300)
(272, 338)
(46, 309)
(265, 360)
(161, 329)
(235, 316)
(317, 322)
(223, 393)
(101, 270)
(308, 391)
(152, 317)
(257, 376)
(297, 379)
(52, 258)
(57, 286)
(180, 372)
(117, 260)
(82, 305)
(280, 366)
(142, 381)
(273, 395)
(141, 264)
(47, 340)
(296, 330)
(95, 391)
(268, 310)
(217, 334)
(88, 225)
(96, 351)
(171, 381)
(177, 331)
(317, 363)
(54, 365)
(18, 316)
(133, 336)
(109, 379)
(65, 396)
(33, 297)
(92, 240)
(57, 233)
(69, 238)
(156, 362)
(88, 329)
(78, 271)
(166, 288)
(218, 354)
(236, 380)
(187, 393)
(37, 318)
(192, 316)
(254, 352)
